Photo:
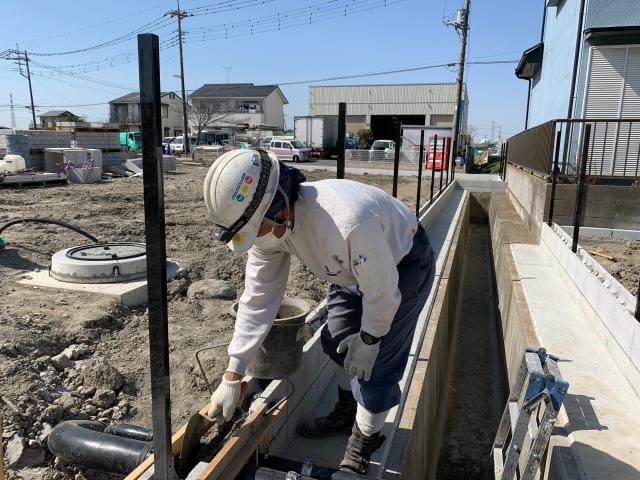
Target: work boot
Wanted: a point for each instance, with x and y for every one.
(359, 451)
(339, 421)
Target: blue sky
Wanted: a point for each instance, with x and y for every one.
(404, 33)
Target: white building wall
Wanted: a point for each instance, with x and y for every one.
(274, 109)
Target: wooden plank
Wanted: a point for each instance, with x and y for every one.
(176, 446)
(238, 449)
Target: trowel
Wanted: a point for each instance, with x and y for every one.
(196, 428)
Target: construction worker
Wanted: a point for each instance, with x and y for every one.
(366, 244)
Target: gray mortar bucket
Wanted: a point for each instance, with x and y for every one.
(281, 353)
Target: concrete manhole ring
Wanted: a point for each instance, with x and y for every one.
(100, 263)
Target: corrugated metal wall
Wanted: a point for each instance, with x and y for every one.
(406, 99)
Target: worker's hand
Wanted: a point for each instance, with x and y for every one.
(360, 356)
(224, 400)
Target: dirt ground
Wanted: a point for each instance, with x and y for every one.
(625, 266)
(106, 372)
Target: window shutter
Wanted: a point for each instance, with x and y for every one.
(629, 135)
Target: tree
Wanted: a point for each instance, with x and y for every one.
(364, 136)
(202, 112)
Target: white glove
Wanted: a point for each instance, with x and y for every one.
(360, 356)
(224, 400)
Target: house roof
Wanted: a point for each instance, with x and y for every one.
(134, 97)
(530, 62)
(245, 90)
(55, 113)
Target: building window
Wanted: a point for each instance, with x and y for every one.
(177, 133)
(164, 111)
(167, 132)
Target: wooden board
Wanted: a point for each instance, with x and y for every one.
(235, 453)
(176, 446)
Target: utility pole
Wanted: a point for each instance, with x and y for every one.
(493, 128)
(13, 114)
(227, 69)
(182, 14)
(461, 24)
(19, 57)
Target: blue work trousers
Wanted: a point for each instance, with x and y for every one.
(416, 272)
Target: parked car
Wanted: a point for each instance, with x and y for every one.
(290, 150)
(380, 150)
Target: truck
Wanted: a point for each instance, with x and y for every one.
(318, 133)
(131, 141)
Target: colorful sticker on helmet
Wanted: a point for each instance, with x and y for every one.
(248, 179)
(255, 160)
(244, 189)
(239, 197)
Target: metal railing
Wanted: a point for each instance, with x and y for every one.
(613, 148)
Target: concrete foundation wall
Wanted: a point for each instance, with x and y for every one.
(518, 332)
(422, 422)
(606, 206)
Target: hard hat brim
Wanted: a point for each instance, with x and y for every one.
(246, 236)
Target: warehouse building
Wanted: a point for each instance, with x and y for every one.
(376, 106)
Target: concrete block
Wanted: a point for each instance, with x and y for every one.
(628, 194)
(602, 193)
(628, 211)
(132, 293)
(600, 209)
(626, 225)
(598, 222)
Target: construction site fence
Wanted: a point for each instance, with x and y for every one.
(612, 150)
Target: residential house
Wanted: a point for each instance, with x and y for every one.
(51, 118)
(125, 111)
(587, 66)
(242, 105)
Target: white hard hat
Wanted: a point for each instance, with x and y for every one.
(238, 190)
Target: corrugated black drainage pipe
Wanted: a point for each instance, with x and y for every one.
(85, 443)
(130, 431)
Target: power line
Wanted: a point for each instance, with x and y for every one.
(96, 25)
(397, 70)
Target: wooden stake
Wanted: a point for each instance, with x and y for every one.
(603, 255)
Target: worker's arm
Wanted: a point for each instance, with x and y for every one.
(373, 265)
(264, 285)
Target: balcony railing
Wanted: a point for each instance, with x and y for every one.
(613, 150)
(126, 118)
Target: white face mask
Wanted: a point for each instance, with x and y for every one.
(269, 240)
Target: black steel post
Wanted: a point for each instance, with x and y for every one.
(149, 71)
(342, 133)
(445, 154)
(420, 160)
(433, 166)
(396, 159)
(581, 194)
(454, 156)
(506, 161)
(441, 164)
(554, 177)
(638, 303)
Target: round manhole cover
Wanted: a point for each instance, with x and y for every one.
(107, 251)
(100, 263)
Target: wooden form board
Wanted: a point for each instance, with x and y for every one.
(235, 452)
(176, 446)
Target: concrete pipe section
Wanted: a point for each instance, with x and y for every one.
(100, 263)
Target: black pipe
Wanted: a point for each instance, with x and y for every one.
(433, 166)
(554, 178)
(581, 194)
(84, 443)
(396, 158)
(128, 430)
(420, 160)
(15, 221)
(342, 132)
